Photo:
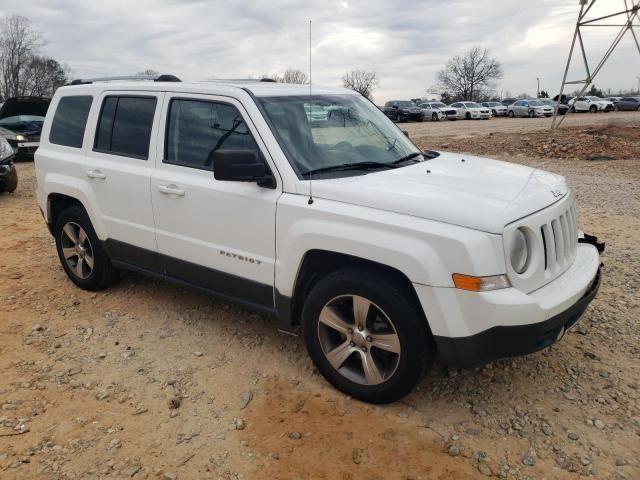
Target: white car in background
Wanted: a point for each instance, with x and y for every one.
(530, 108)
(438, 111)
(592, 104)
(471, 111)
(497, 108)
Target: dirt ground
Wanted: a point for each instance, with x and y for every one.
(151, 380)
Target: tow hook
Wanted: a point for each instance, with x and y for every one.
(592, 240)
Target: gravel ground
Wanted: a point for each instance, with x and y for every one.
(151, 380)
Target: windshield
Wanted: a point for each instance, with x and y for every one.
(406, 104)
(495, 104)
(595, 99)
(535, 103)
(353, 133)
(438, 105)
(472, 105)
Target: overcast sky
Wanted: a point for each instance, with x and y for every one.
(405, 42)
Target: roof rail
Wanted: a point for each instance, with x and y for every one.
(242, 80)
(154, 78)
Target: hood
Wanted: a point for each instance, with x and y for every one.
(17, 106)
(462, 190)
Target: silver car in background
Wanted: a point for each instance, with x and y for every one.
(438, 111)
(530, 108)
(497, 108)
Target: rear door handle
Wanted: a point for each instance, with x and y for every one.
(171, 190)
(97, 174)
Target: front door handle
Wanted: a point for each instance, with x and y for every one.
(97, 174)
(171, 190)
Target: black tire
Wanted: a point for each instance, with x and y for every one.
(616, 109)
(11, 181)
(532, 114)
(434, 117)
(468, 116)
(511, 114)
(494, 113)
(416, 343)
(593, 109)
(103, 273)
(638, 109)
(398, 118)
(573, 109)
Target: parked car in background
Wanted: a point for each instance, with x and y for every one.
(471, 111)
(403, 111)
(450, 113)
(530, 108)
(591, 104)
(613, 99)
(497, 108)
(562, 108)
(431, 113)
(24, 117)
(8, 173)
(508, 101)
(628, 103)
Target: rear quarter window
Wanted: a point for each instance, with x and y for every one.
(70, 120)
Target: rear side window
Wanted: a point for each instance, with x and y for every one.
(196, 129)
(125, 126)
(70, 121)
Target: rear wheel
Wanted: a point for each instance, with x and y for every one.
(11, 181)
(638, 109)
(83, 258)
(532, 114)
(511, 114)
(366, 335)
(593, 109)
(617, 109)
(398, 118)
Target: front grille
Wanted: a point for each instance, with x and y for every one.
(560, 240)
(450, 112)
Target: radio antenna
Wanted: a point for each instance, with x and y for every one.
(310, 202)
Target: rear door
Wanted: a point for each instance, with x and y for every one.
(219, 235)
(119, 170)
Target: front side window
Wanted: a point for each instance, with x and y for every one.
(125, 124)
(70, 121)
(196, 129)
(354, 136)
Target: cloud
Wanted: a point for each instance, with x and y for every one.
(405, 42)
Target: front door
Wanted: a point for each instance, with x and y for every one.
(218, 235)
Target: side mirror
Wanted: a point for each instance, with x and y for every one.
(241, 166)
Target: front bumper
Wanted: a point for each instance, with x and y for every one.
(25, 149)
(472, 328)
(5, 170)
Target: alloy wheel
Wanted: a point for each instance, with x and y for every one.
(77, 250)
(359, 340)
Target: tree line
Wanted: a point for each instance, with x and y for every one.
(24, 69)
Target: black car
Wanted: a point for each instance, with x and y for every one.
(509, 101)
(403, 111)
(8, 173)
(23, 117)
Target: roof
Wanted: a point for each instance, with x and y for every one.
(215, 87)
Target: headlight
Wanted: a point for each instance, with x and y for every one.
(20, 138)
(5, 149)
(519, 253)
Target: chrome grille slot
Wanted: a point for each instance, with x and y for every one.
(560, 237)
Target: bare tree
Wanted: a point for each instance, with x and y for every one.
(19, 43)
(293, 76)
(361, 81)
(471, 75)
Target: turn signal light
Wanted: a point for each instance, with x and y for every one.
(480, 284)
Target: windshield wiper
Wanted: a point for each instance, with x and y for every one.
(348, 166)
(411, 156)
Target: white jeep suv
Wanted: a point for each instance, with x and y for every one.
(385, 255)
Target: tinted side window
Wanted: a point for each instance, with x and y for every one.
(70, 121)
(197, 128)
(125, 126)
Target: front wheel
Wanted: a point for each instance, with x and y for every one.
(532, 114)
(83, 258)
(511, 114)
(468, 116)
(494, 113)
(434, 117)
(366, 335)
(593, 109)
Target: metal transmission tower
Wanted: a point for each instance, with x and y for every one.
(624, 20)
